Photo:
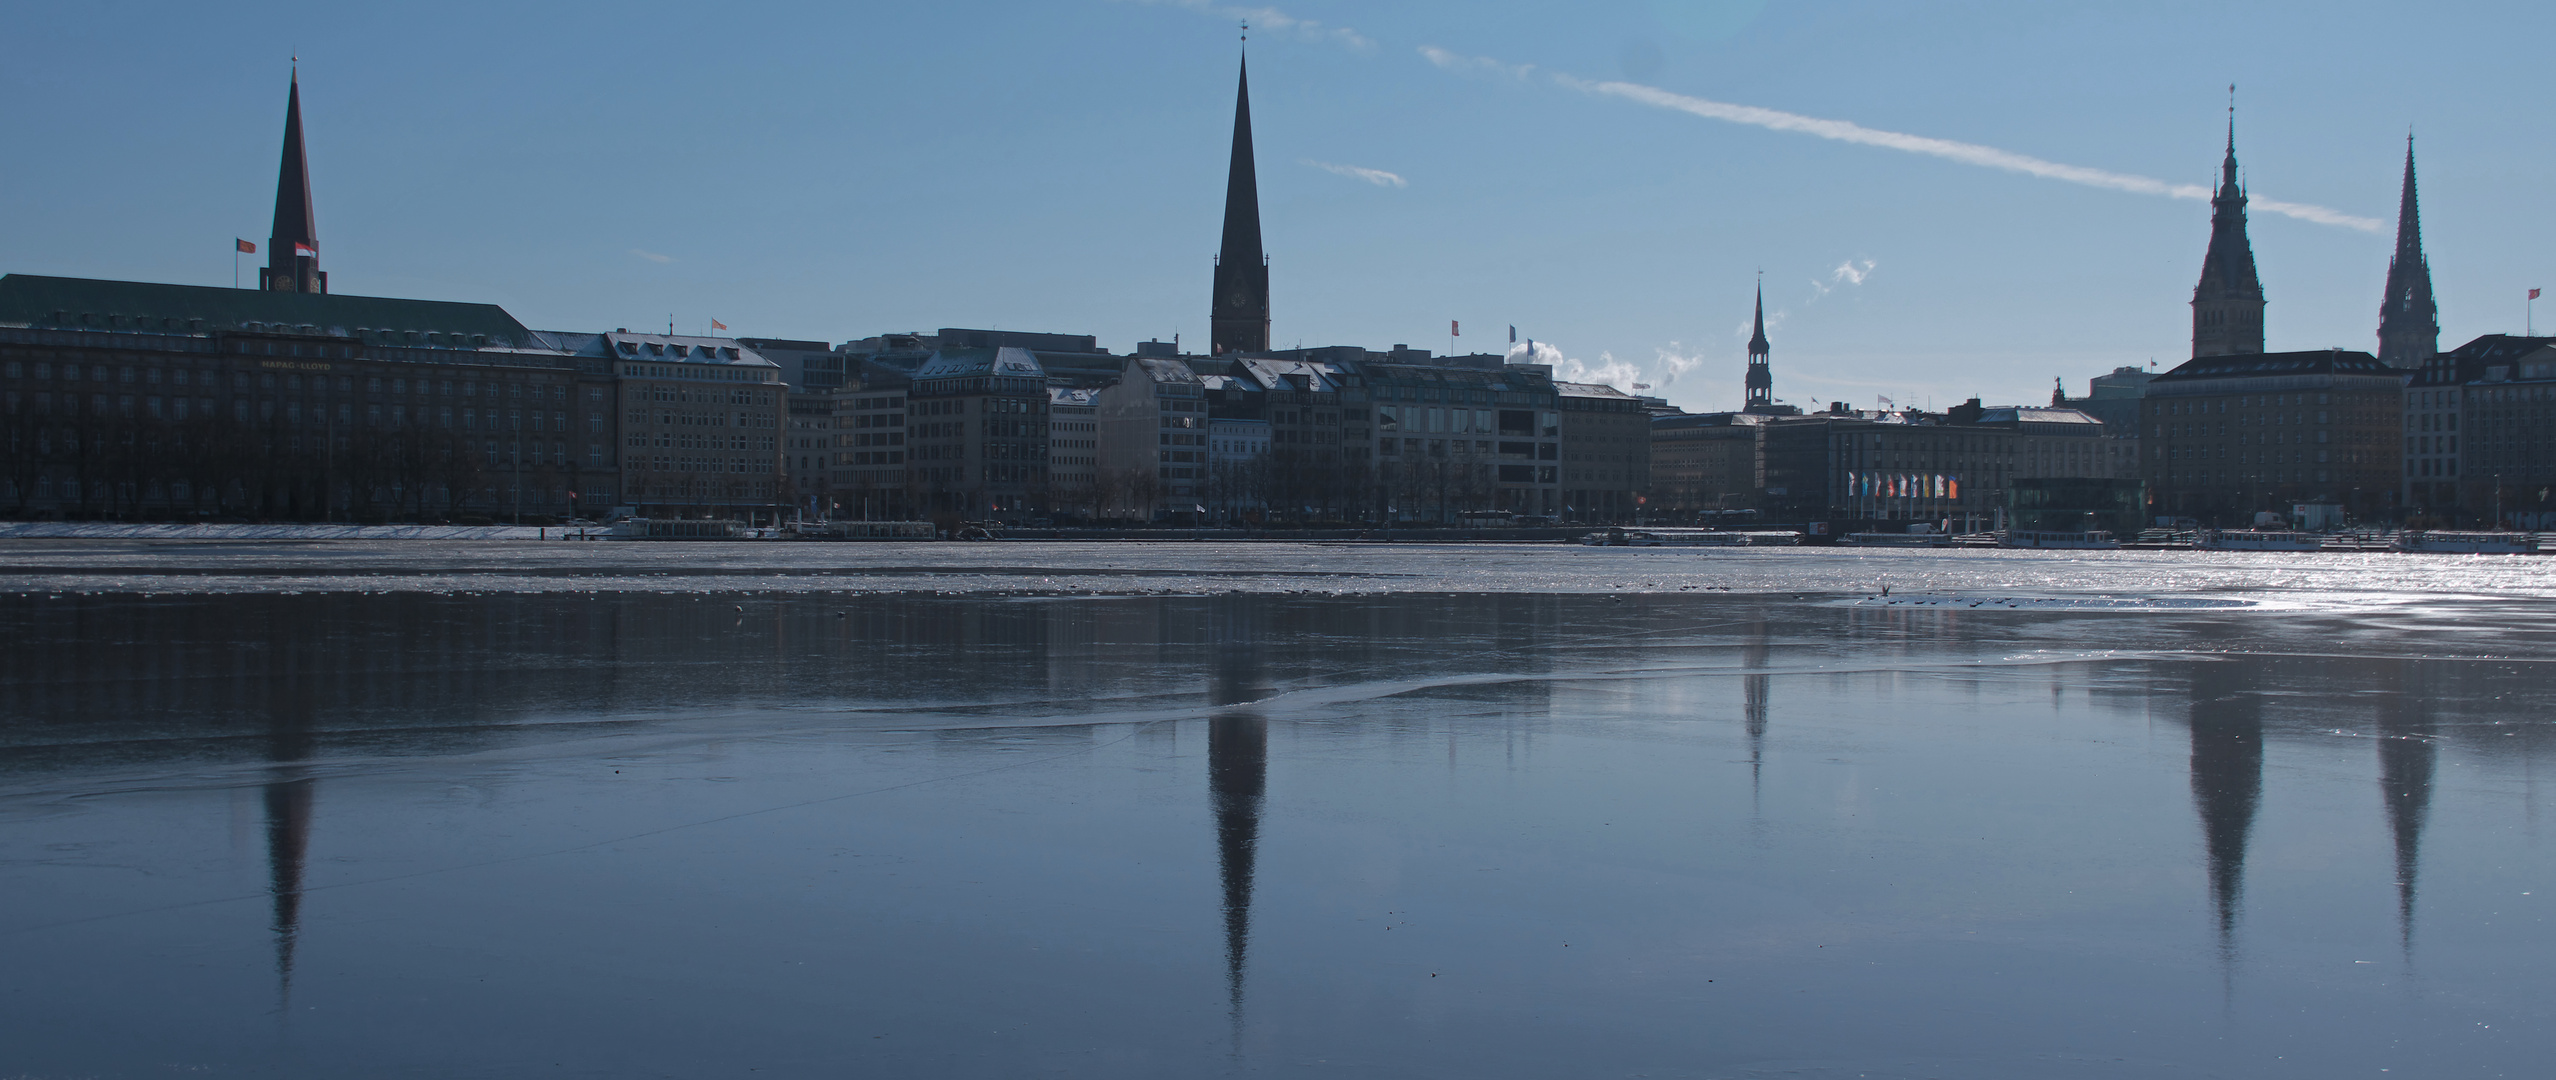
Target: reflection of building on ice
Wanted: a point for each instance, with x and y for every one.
(2227, 780)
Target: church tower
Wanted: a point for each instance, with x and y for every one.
(1238, 321)
(292, 249)
(2227, 307)
(2409, 323)
(1761, 374)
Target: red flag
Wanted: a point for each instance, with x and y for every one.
(302, 250)
(2533, 294)
(717, 325)
(1451, 329)
(246, 248)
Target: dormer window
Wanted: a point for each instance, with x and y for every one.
(630, 347)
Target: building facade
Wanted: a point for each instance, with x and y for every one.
(131, 399)
(976, 433)
(1705, 465)
(1606, 452)
(702, 420)
(2480, 448)
(2228, 437)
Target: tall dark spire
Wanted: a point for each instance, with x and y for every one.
(1239, 318)
(1761, 374)
(2227, 306)
(292, 249)
(2409, 322)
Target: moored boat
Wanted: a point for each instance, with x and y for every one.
(2262, 540)
(675, 529)
(2093, 540)
(2468, 543)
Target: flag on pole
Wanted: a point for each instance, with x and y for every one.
(1513, 335)
(1452, 330)
(304, 251)
(2533, 293)
(247, 248)
(717, 325)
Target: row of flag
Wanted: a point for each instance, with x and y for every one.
(1903, 485)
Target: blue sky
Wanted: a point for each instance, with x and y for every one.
(832, 171)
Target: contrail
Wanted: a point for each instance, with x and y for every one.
(1378, 177)
(1848, 131)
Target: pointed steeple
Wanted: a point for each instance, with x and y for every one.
(2227, 306)
(292, 249)
(1238, 321)
(2409, 322)
(1761, 374)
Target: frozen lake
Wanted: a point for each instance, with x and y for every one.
(420, 808)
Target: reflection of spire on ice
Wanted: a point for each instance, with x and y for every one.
(1753, 703)
(2227, 782)
(288, 820)
(288, 838)
(1237, 771)
(2406, 758)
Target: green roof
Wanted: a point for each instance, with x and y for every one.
(147, 307)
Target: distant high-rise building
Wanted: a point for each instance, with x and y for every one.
(292, 249)
(1761, 373)
(2409, 322)
(1239, 319)
(2227, 306)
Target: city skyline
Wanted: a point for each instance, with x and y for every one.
(1106, 250)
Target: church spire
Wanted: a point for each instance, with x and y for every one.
(1238, 321)
(292, 249)
(1761, 375)
(2409, 322)
(2227, 306)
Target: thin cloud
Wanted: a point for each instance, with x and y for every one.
(652, 256)
(1447, 61)
(1274, 21)
(1848, 274)
(1378, 177)
(1848, 131)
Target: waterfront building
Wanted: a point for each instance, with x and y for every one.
(807, 451)
(2112, 398)
(1916, 467)
(1606, 452)
(2229, 436)
(1459, 435)
(701, 425)
(976, 433)
(1237, 445)
(871, 481)
(1704, 464)
(1073, 451)
(1153, 440)
(2480, 433)
(2409, 320)
(131, 399)
(805, 365)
